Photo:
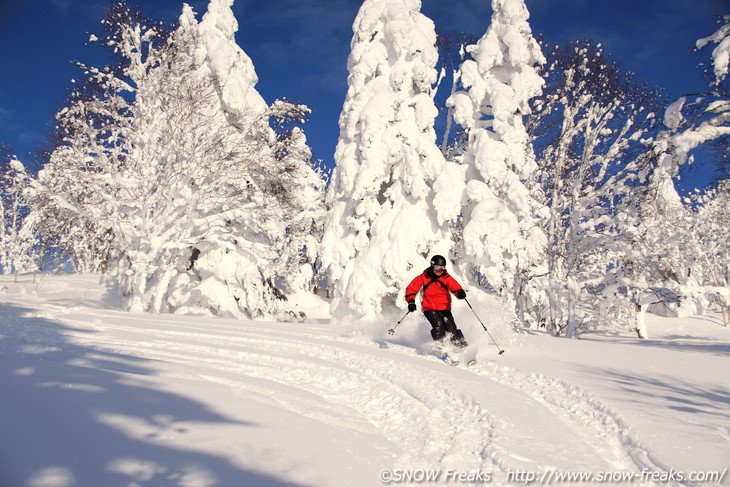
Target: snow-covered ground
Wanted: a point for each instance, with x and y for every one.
(96, 397)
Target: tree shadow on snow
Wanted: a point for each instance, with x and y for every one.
(715, 320)
(686, 343)
(680, 343)
(54, 393)
(674, 393)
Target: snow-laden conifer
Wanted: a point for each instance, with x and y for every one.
(492, 188)
(267, 245)
(216, 54)
(382, 227)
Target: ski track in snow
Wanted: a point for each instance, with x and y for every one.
(435, 415)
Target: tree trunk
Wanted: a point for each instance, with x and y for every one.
(159, 300)
(449, 115)
(725, 308)
(554, 303)
(519, 295)
(573, 291)
(640, 329)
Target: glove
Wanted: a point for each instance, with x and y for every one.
(461, 294)
(411, 307)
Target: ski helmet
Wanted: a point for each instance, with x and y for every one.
(438, 260)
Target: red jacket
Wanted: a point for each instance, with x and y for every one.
(437, 290)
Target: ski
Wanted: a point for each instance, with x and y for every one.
(446, 358)
(453, 361)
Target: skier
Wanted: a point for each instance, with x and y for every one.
(436, 287)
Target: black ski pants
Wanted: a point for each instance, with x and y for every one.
(442, 322)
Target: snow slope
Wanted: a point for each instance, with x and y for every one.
(96, 397)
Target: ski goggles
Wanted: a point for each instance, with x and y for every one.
(439, 267)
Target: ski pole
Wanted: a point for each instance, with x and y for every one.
(392, 330)
(501, 351)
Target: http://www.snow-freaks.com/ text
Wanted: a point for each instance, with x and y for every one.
(549, 476)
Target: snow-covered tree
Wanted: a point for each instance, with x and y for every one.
(712, 246)
(452, 53)
(684, 252)
(675, 232)
(492, 189)
(381, 227)
(286, 211)
(706, 240)
(89, 145)
(694, 120)
(588, 130)
(200, 196)
(17, 242)
(721, 52)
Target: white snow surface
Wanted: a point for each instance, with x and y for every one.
(96, 397)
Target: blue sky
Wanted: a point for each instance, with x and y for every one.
(300, 48)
